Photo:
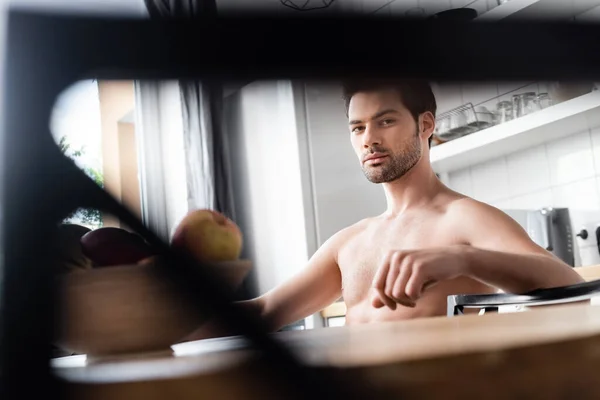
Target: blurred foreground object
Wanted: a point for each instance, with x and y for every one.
(130, 309)
(67, 254)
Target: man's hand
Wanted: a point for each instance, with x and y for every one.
(405, 274)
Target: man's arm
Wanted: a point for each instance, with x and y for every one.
(315, 287)
(496, 251)
(310, 290)
(503, 255)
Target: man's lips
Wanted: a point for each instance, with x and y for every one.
(375, 157)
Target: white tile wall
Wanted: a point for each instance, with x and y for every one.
(528, 171)
(581, 195)
(502, 204)
(490, 180)
(542, 198)
(595, 133)
(571, 159)
(461, 181)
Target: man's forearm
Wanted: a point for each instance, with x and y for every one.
(518, 273)
(214, 327)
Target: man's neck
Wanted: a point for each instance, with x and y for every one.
(416, 188)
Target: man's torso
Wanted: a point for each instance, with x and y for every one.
(370, 240)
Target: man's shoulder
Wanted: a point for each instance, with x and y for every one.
(467, 209)
(344, 235)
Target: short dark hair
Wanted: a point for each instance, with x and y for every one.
(416, 95)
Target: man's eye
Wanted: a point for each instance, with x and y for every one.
(357, 129)
(387, 122)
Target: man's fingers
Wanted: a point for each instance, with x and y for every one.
(379, 282)
(392, 275)
(376, 301)
(381, 273)
(417, 284)
(386, 300)
(399, 289)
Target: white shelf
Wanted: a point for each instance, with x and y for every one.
(561, 120)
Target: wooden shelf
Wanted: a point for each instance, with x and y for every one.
(561, 120)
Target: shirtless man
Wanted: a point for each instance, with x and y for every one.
(431, 242)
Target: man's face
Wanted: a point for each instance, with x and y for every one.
(384, 134)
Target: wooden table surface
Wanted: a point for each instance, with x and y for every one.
(545, 353)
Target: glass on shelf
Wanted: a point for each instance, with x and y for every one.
(504, 111)
(544, 100)
(529, 103)
(524, 103)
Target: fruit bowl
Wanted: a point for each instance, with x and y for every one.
(128, 309)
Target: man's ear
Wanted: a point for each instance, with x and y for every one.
(426, 124)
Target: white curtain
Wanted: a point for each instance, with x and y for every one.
(198, 139)
(161, 155)
(207, 148)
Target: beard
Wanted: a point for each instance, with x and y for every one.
(394, 166)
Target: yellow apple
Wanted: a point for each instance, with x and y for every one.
(208, 236)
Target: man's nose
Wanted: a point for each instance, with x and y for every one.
(371, 137)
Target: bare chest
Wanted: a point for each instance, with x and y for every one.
(360, 257)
